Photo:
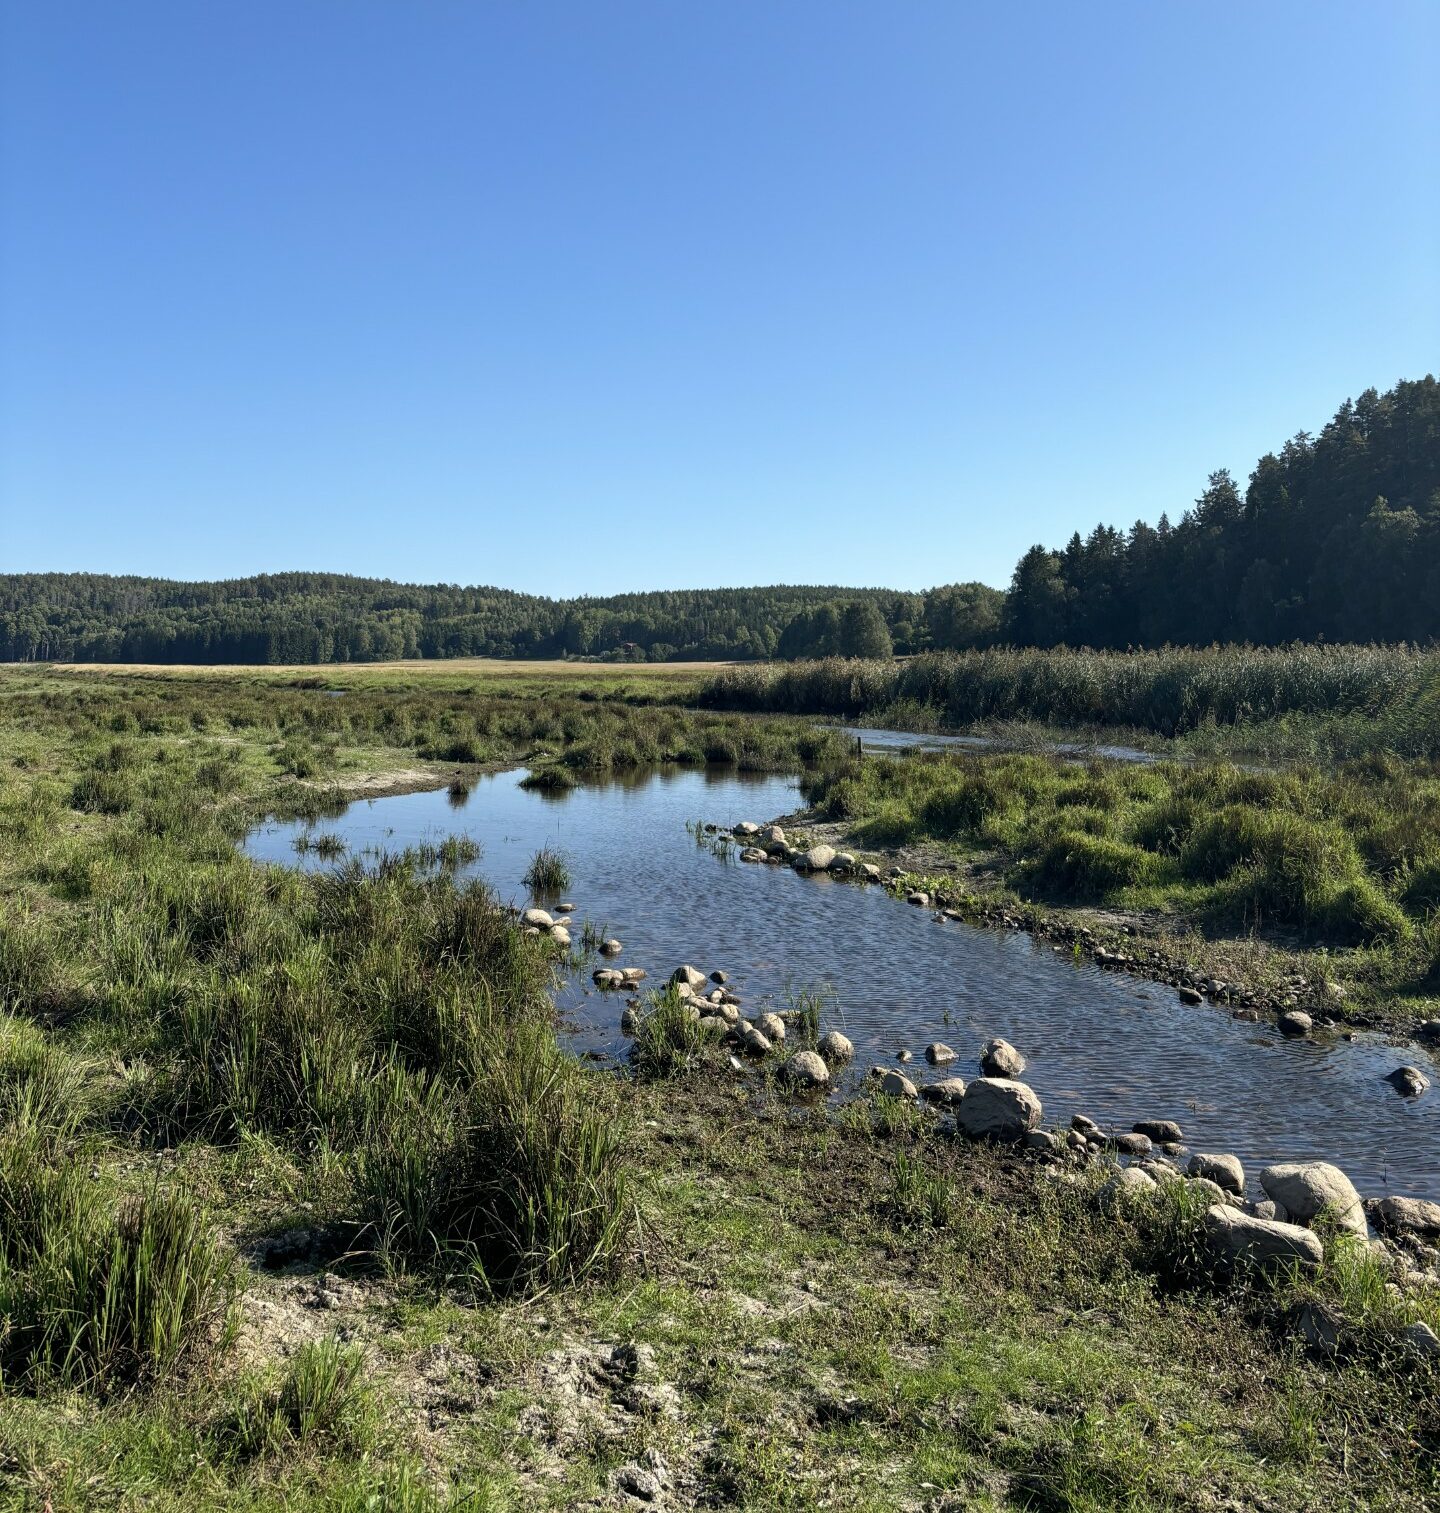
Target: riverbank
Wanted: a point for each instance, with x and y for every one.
(392, 1247)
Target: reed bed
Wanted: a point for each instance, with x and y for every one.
(1170, 692)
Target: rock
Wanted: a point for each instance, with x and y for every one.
(531, 931)
(1265, 1208)
(690, 977)
(754, 854)
(920, 900)
(771, 1026)
(947, 1092)
(998, 1108)
(1417, 1216)
(903, 1056)
(897, 1085)
(1318, 1327)
(537, 918)
(720, 978)
(834, 1046)
(1126, 1185)
(1428, 1031)
(1132, 1145)
(870, 872)
(772, 835)
(560, 935)
(745, 828)
(937, 1053)
(1238, 1239)
(633, 974)
(1210, 1191)
(611, 947)
(1041, 1140)
(753, 1040)
(713, 1024)
(1082, 1124)
(818, 858)
(806, 1069)
(1305, 1188)
(1422, 1339)
(1223, 1170)
(1158, 1130)
(728, 1012)
(639, 1483)
(607, 977)
(842, 862)
(1161, 1173)
(629, 1021)
(1190, 996)
(1000, 1059)
(1295, 1023)
(1172, 1148)
(1409, 1081)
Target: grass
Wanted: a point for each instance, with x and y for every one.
(548, 874)
(1337, 860)
(202, 1059)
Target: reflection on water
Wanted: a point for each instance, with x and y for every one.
(1113, 1047)
(915, 740)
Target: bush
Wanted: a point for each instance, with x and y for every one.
(1075, 864)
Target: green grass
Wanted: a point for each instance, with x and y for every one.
(201, 1058)
(548, 874)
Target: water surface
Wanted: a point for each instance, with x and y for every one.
(1100, 1043)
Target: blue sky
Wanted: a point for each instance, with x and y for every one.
(605, 295)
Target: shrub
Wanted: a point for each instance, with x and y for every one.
(1080, 865)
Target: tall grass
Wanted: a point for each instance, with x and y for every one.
(1171, 692)
(548, 873)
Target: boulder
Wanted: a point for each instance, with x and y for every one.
(806, 1069)
(1126, 1185)
(947, 1092)
(897, 1085)
(1043, 1141)
(753, 854)
(1190, 996)
(842, 861)
(1422, 1339)
(713, 1024)
(611, 947)
(537, 919)
(1417, 1216)
(998, 1108)
(937, 1053)
(1239, 1239)
(834, 1046)
(1305, 1188)
(771, 1026)
(870, 872)
(608, 978)
(753, 1040)
(1158, 1130)
(772, 835)
(564, 908)
(1132, 1145)
(920, 900)
(629, 1021)
(633, 974)
(1160, 1172)
(1409, 1081)
(688, 976)
(745, 828)
(818, 858)
(1296, 1024)
(1208, 1191)
(1223, 1170)
(1000, 1059)
(720, 978)
(560, 935)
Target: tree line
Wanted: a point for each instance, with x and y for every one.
(1335, 538)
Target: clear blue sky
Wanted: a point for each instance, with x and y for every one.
(608, 295)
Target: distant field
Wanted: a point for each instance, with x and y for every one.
(467, 666)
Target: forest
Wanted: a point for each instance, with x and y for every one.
(1335, 537)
